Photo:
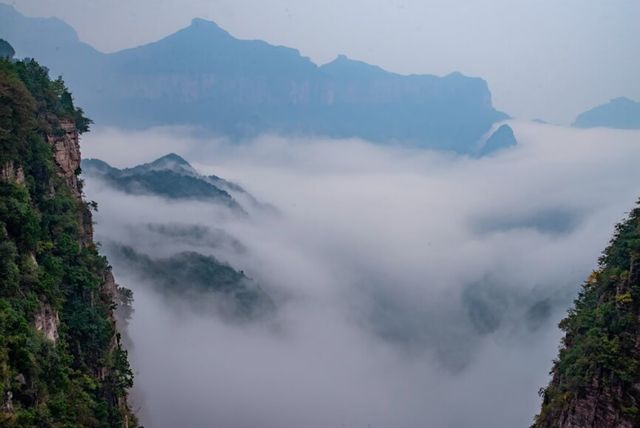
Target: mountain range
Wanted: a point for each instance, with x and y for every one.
(204, 77)
(188, 273)
(620, 113)
(172, 177)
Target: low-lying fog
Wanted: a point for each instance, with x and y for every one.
(413, 288)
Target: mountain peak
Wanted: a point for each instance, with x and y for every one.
(7, 8)
(171, 157)
(203, 26)
(170, 162)
(622, 100)
(620, 113)
(501, 138)
(342, 65)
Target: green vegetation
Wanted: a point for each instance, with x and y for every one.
(6, 50)
(203, 281)
(600, 356)
(163, 180)
(78, 376)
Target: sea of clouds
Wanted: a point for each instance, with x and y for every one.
(414, 288)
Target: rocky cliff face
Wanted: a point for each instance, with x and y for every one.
(66, 152)
(47, 321)
(596, 377)
(61, 362)
(9, 172)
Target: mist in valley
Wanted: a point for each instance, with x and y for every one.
(383, 214)
(410, 288)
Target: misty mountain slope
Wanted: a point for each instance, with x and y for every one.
(201, 281)
(453, 333)
(180, 259)
(172, 177)
(501, 138)
(203, 76)
(190, 236)
(621, 113)
(596, 376)
(54, 43)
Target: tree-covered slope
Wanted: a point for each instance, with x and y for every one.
(61, 363)
(596, 377)
(172, 177)
(6, 50)
(169, 176)
(202, 281)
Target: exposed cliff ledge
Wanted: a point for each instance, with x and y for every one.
(66, 151)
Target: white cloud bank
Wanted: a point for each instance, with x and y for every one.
(415, 288)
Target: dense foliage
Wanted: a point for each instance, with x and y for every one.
(6, 50)
(162, 180)
(79, 377)
(204, 282)
(600, 356)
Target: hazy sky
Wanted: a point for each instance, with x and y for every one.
(545, 59)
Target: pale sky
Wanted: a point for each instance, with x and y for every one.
(549, 59)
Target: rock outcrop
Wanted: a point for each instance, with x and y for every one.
(502, 138)
(46, 321)
(9, 172)
(66, 150)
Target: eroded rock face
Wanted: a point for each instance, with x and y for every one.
(66, 150)
(47, 321)
(10, 172)
(595, 409)
(110, 288)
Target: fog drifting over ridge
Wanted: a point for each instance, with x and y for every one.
(411, 284)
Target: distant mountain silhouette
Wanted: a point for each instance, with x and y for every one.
(203, 76)
(501, 138)
(621, 113)
(170, 176)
